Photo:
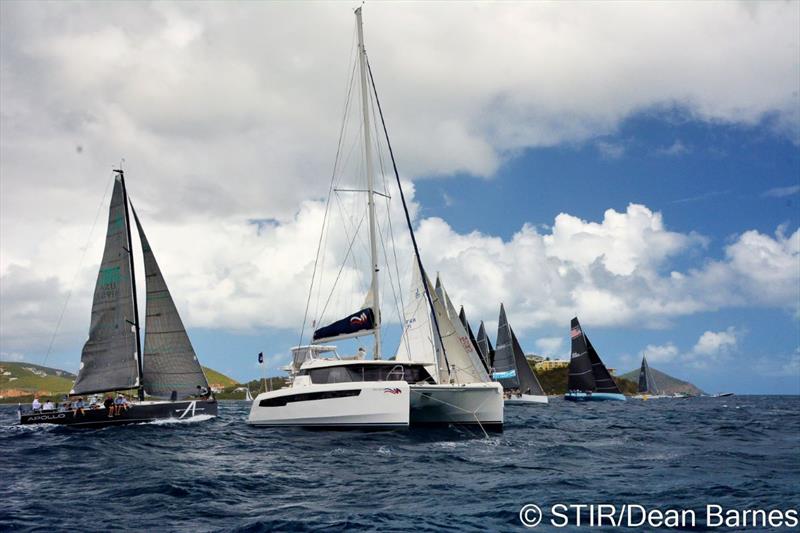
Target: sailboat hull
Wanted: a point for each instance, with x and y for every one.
(574, 396)
(357, 405)
(526, 399)
(479, 404)
(136, 413)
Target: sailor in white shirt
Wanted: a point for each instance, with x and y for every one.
(48, 406)
(36, 405)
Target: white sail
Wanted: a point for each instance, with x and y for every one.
(417, 342)
(465, 364)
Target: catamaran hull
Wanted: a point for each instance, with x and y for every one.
(526, 399)
(358, 405)
(594, 397)
(472, 404)
(136, 413)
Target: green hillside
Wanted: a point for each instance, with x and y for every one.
(20, 379)
(217, 378)
(555, 381)
(666, 384)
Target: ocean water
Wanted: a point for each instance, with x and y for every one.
(741, 452)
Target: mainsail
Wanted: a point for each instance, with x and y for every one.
(586, 371)
(509, 349)
(170, 364)
(109, 360)
(505, 367)
(485, 347)
(647, 383)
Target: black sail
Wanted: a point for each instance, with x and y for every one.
(505, 365)
(581, 377)
(602, 377)
(170, 363)
(646, 382)
(463, 317)
(485, 346)
(109, 359)
(528, 382)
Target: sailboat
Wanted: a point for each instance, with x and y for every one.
(511, 367)
(435, 377)
(168, 378)
(472, 339)
(589, 379)
(647, 383)
(485, 347)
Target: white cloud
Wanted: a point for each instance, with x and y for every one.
(712, 343)
(781, 192)
(550, 346)
(11, 357)
(610, 150)
(661, 353)
(675, 149)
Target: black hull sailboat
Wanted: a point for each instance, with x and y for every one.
(136, 413)
(589, 379)
(167, 376)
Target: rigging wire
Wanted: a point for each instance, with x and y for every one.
(77, 272)
(405, 209)
(330, 189)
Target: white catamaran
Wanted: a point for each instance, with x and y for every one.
(436, 375)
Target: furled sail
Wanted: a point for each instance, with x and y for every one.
(647, 383)
(485, 347)
(170, 363)
(465, 363)
(109, 359)
(362, 322)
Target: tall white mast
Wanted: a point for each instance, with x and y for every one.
(376, 308)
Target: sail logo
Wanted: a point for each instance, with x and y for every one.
(359, 320)
(575, 332)
(392, 391)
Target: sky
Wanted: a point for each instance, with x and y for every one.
(634, 164)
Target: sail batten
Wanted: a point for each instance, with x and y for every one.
(170, 363)
(109, 359)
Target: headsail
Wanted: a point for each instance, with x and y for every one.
(528, 382)
(647, 383)
(462, 316)
(170, 363)
(465, 363)
(417, 342)
(109, 360)
(485, 347)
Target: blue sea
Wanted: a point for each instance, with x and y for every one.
(741, 452)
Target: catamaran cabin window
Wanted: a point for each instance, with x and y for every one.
(352, 373)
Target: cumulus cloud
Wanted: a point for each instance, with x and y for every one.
(711, 348)
(550, 346)
(675, 149)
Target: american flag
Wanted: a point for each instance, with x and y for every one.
(575, 332)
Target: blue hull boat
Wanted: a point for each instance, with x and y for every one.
(576, 396)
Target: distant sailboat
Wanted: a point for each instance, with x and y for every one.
(647, 383)
(463, 317)
(511, 367)
(485, 347)
(111, 361)
(589, 379)
(247, 395)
